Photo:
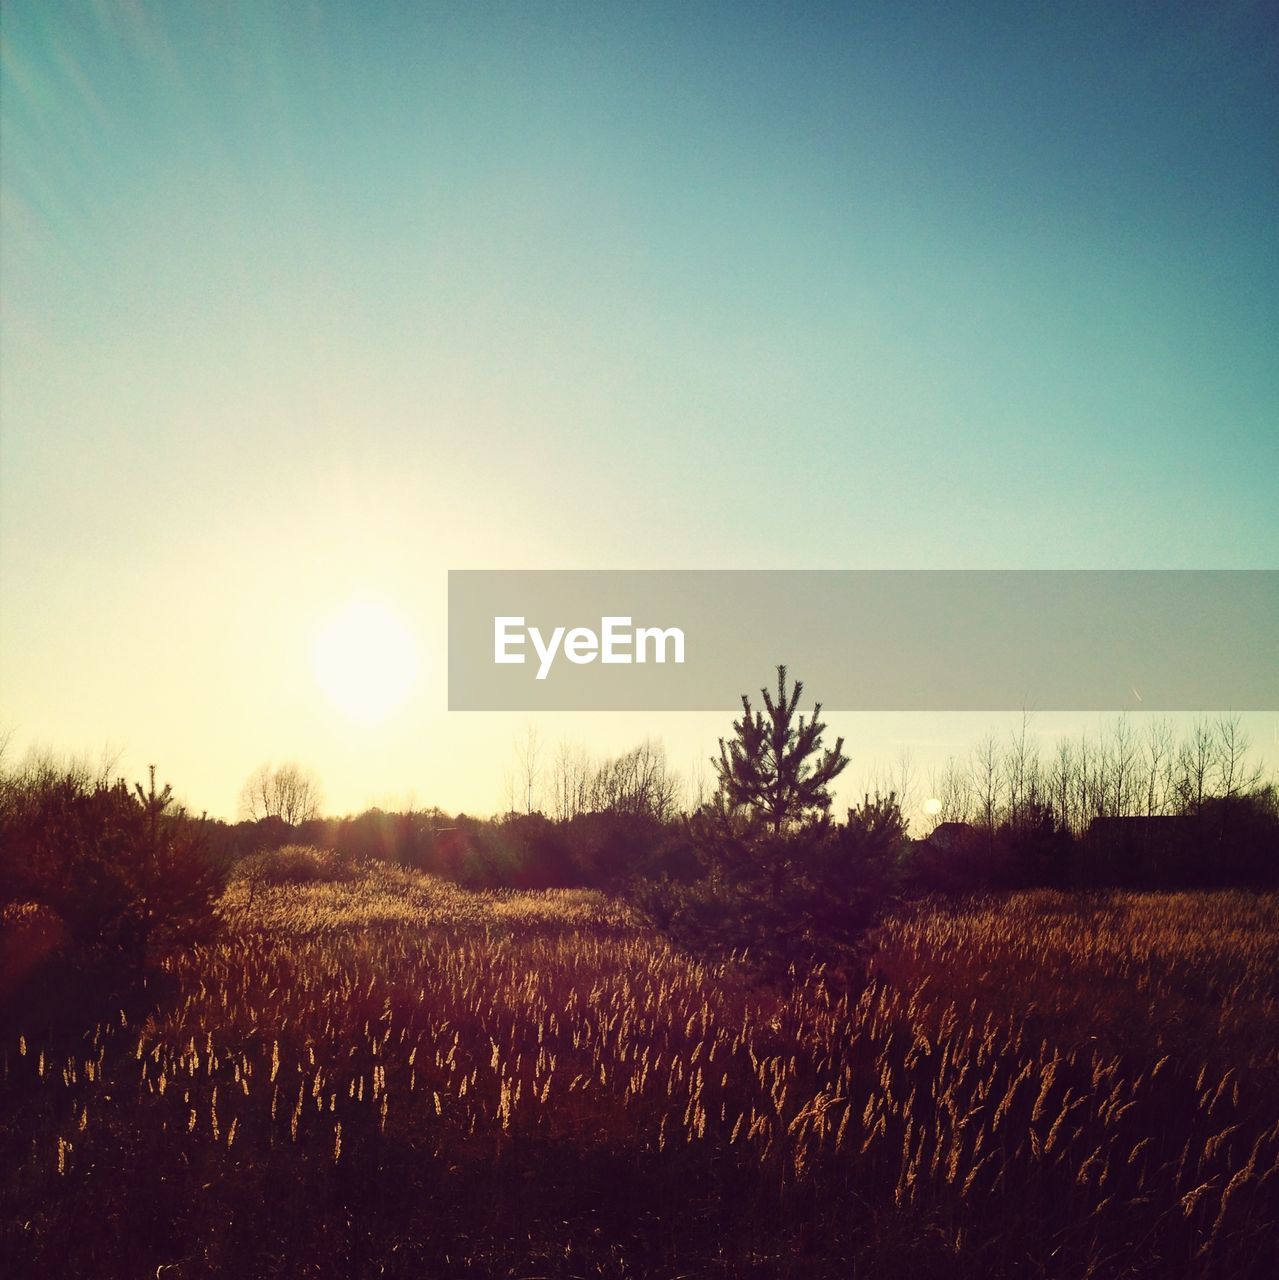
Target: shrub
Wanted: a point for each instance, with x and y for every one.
(122, 867)
(97, 876)
(294, 864)
(31, 934)
(803, 895)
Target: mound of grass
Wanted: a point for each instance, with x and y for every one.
(295, 864)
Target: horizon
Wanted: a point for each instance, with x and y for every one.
(919, 763)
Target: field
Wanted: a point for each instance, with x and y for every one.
(390, 1076)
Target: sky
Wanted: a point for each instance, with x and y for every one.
(306, 304)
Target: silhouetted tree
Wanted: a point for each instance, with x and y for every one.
(121, 867)
(289, 793)
(766, 768)
(782, 882)
(639, 783)
(853, 871)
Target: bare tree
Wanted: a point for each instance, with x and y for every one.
(955, 793)
(1230, 767)
(570, 781)
(1090, 781)
(987, 780)
(698, 790)
(289, 792)
(1058, 780)
(1158, 762)
(528, 755)
(905, 781)
(1194, 766)
(1021, 773)
(638, 782)
(1122, 755)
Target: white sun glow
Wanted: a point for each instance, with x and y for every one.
(932, 806)
(365, 660)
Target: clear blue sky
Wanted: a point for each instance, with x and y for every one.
(311, 302)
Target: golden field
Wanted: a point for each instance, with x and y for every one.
(389, 1075)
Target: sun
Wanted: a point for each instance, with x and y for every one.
(932, 806)
(365, 660)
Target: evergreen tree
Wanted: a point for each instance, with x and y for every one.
(766, 767)
(783, 883)
(121, 868)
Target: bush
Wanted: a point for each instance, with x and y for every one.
(31, 934)
(294, 864)
(809, 894)
(96, 875)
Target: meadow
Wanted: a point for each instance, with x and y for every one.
(384, 1074)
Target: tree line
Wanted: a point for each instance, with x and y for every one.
(1122, 772)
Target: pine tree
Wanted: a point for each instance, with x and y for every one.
(783, 884)
(766, 769)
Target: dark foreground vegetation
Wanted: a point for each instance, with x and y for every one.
(746, 1041)
(388, 1075)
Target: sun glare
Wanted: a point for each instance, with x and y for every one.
(365, 660)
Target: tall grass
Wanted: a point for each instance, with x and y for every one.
(390, 1075)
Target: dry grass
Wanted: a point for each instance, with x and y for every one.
(393, 1076)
